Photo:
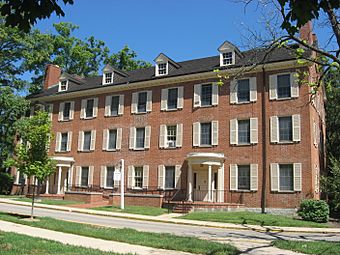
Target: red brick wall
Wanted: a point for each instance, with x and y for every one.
(137, 200)
(86, 197)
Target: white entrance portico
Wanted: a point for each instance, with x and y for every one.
(61, 180)
(205, 177)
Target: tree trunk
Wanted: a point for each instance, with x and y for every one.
(335, 24)
(32, 216)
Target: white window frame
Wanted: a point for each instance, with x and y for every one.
(222, 58)
(60, 85)
(104, 78)
(158, 68)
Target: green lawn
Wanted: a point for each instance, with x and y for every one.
(156, 240)
(49, 201)
(145, 210)
(13, 244)
(313, 247)
(252, 218)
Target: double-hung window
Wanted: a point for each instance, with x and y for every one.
(206, 95)
(172, 98)
(109, 176)
(169, 177)
(114, 108)
(286, 177)
(84, 179)
(243, 90)
(162, 69)
(285, 129)
(140, 138)
(89, 108)
(244, 131)
(63, 85)
(63, 142)
(66, 111)
(138, 177)
(227, 58)
(283, 86)
(142, 100)
(112, 139)
(108, 78)
(243, 177)
(205, 134)
(87, 141)
(171, 136)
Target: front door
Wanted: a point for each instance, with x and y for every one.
(200, 186)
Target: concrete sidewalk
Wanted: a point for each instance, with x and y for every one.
(170, 218)
(83, 241)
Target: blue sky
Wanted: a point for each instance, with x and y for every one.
(182, 29)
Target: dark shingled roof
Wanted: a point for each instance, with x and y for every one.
(251, 57)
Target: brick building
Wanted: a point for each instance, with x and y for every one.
(258, 138)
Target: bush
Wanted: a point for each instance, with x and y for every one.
(6, 182)
(314, 210)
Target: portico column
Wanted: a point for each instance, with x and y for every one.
(209, 183)
(189, 182)
(59, 179)
(47, 184)
(220, 184)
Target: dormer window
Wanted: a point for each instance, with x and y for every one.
(162, 68)
(63, 85)
(108, 78)
(227, 58)
(228, 53)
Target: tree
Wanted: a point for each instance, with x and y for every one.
(31, 155)
(25, 13)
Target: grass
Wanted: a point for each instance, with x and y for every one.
(156, 240)
(49, 201)
(312, 247)
(145, 210)
(252, 218)
(13, 244)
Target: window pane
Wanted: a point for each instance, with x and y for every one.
(63, 145)
(244, 177)
(162, 68)
(114, 105)
(205, 133)
(286, 177)
(66, 112)
(227, 58)
(108, 77)
(243, 90)
(172, 98)
(112, 139)
(169, 177)
(84, 176)
(109, 176)
(142, 97)
(171, 136)
(285, 129)
(139, 177)
(87, 141)
(283, 86)
(89, 108)
(206, 94)
(244, 131)
(140, 137)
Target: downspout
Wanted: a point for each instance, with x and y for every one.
(264, 143)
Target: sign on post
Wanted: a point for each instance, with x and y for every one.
(116, 175)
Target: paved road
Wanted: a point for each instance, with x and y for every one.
(178, 229)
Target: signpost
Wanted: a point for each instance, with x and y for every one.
(118, 175)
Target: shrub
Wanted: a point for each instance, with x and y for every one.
(6, 182)
(314, 210)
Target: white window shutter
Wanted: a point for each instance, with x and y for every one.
(50, 111)
(254, 130)
(131, 177)
(179, 135)
(147, 137)
(121, 105)
(132, 138)
(57, 142)
(197, 95)
(161, 176)
(105, 139)
(274, 176)
(233, 91)
(164, 99)
(253, 89)
(178, 171)
(82, 110)
(102, 176)
(91, 171)
(214, 99)
(80, 140)
(61, 112)
(180, 99)
(78, 176)
(149, 101)
(296, 128)
(272, 87)
(71, 110)
(69, 141)
(119, 138)
(70, 179)
(196, 134)
(297, 177)
(214, 133)
(162, 136)
(93, 140)
(274, 129)
(134, 102)
(233, 131)
(233, 177)
(95, 107)
(294, 88)
(108, 100)
(145, 176)
(253, 177)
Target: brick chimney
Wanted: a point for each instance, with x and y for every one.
(306, 33)
(52, 75)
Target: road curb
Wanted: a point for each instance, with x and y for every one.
(179, 221)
